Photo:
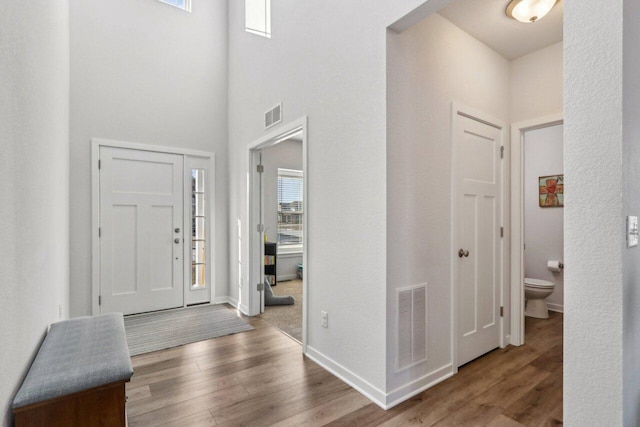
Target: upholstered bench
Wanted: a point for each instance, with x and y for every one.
(78, 376)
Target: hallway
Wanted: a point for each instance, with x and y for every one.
(260, 378)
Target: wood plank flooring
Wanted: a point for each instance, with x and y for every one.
(260, 378)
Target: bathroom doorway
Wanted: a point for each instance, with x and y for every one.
(537, 222)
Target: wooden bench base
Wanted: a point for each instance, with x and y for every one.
(100, 406)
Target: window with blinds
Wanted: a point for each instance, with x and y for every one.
(290, 211)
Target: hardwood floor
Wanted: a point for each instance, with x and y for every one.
(260, 378)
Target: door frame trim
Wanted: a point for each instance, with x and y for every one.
(96, 143)
(253, 212)
(471, 113)
(517, 218)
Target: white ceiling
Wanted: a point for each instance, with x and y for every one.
(486, 21)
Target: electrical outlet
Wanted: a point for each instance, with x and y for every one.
(325, 319)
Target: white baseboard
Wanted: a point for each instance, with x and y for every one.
(377, 396)
(374, 394)
(225, 300)
(507, 341)
(286, 277)
(555, 307)
(417, 386)
(243, 309)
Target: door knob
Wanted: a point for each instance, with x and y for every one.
(177, 230)
(463, 253)
(177, 240)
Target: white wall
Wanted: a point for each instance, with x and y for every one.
(595, 254)
(287, 155)
(428, 66)
(143, 71)
(34, 182)
(543, 227)
(325, 60)
(536, 84)
(631, 206)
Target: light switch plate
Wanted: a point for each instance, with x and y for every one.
(632, 231)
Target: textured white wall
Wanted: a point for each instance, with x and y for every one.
(428, 66)
(287, 155)
(143, 71)
(536, 84)
(34, 182)
(325, 60)
(631, 194)
(594, 217)
(543, 227)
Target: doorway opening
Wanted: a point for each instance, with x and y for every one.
(278, 236)
(537, 243)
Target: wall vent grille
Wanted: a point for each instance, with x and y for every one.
(411, 326)
(273, 116)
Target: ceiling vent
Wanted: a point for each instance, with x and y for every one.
(412, 326)
(273, 116)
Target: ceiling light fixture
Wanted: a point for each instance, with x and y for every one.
(528, 11)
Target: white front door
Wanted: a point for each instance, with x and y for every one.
(141, 221)
(477, 236)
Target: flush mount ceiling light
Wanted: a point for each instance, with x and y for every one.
(528, 11)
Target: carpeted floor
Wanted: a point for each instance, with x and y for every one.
(287, 318)
(171, 328)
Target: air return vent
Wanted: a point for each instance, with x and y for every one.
(273, 116)
(412, 326)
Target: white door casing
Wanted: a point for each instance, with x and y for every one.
(141, 223)
(517, 219)
(255, 240)
(477, 234)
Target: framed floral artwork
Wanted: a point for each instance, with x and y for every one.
(551, 191)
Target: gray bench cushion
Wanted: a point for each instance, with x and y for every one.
(77, 355)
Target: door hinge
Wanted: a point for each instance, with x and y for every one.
(260, 287)
(260, 228)
(501, 311)
(99, 231)
(501, 231)
(99, 164)
(99, 299)
(502, 151)
(260, 168)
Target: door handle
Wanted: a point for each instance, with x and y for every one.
(463, 253)
(177, 240)
(177, 230)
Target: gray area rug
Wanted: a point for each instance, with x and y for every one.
(165, 329)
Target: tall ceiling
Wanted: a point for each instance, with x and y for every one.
(486, 21)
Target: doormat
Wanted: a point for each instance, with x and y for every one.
(171, 328)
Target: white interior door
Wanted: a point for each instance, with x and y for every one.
(141, 221)
(477, 236)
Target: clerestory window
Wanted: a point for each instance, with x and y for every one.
(258, 17)
(180, 4)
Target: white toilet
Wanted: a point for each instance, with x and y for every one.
(535, 292)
